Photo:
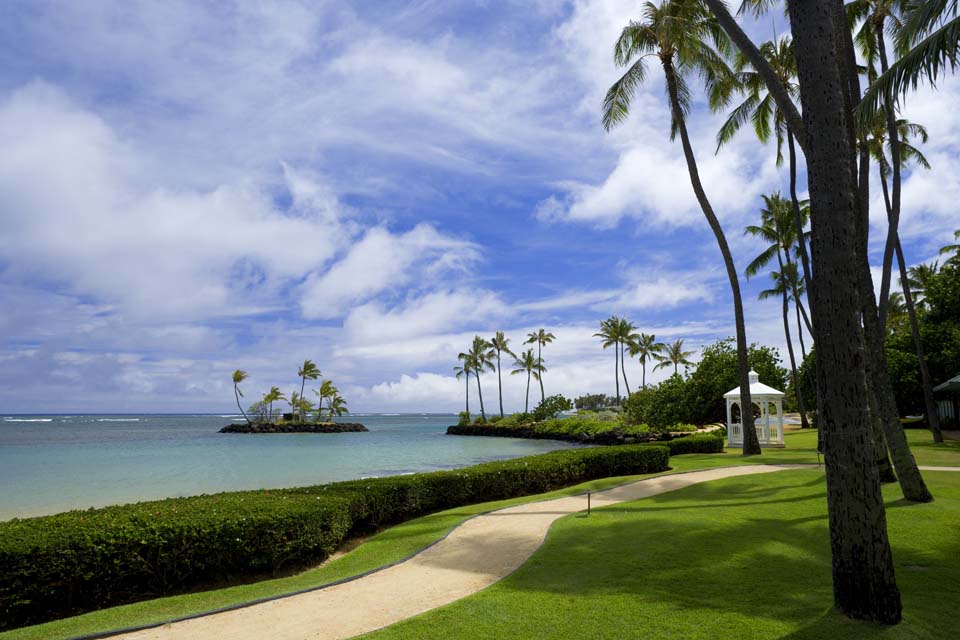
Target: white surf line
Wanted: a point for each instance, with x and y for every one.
(476, 554)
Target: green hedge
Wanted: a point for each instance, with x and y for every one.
(699, 443)
(60, 565)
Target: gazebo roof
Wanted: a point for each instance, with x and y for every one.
(757, 389)
(953, 384)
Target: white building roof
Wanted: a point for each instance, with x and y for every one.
(953, 384)
(757, 389)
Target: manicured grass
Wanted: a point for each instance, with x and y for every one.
(400, 541)
(744, 557)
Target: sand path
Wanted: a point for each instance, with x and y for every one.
(476, 554)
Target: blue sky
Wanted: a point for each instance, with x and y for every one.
(188, 188)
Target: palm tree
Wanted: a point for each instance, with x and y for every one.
(647, 347)
(676, 32)
(627, 332)
(919, 277)
(952, 248)
(541, 338)
(238, 377)
(675, 355)
(337, 405)
(928, 42)
(464, 372)
(272, 396)
(896, 311)
(308, 371)
(778, 229)
(327, 391)
(501, 344)
(610, 334)
(530, 364)
(481, 359)
(761, 109)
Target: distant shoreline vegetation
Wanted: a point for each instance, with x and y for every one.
(295, 427)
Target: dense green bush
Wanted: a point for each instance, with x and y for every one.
(594, 402)
(699, 443)
(660, 406)
(576, 425)
(551, 407)
(463, 418)
(60, 565)
(516, 420)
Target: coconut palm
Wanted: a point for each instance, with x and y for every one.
(530, 364)
(464, 372)
(767, 118)
(501, 344)
(308, 371)
(675, 355)
(778, 229)
(678, 33)
(610, 335)
(952, 248)
(540, 338)
(326, 391)
(481, 355)
(928, 41)
(647, 348)
(337, 405)
(238, 377)
(919, 277)
(274, 395)
(896, 311)
(627, 333)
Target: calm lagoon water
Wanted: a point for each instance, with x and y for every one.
(54, 463)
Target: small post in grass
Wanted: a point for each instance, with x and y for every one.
(588, 503)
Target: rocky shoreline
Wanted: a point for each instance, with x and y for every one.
(295, 427)
(612, 437)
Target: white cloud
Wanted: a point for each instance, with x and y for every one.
(427, 315)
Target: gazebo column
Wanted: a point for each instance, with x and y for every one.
(729, 425)
(780, 422)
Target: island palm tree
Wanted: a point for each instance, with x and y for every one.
(274, 395)
(501, 344)
(464, 372)
(326, 391)
(540, 338)
(308, 371)
(481, 355)
(337, 405)
(675, 355)
(238, 377)
(677, 33)
(530, 364)
(778, 229)
(647, 348)
(610, 335)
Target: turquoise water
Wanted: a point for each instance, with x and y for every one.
(54, 463)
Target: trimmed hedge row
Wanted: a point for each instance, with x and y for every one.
(698, 443)
(60, 565)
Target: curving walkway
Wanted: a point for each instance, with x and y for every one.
(476, 554)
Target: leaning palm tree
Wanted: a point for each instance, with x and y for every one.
(337, 405)
(778, 229)
(530, 364)
(481, 359)
(238, 377)
(463, 371)
(274, 395)
(610, 335)
(627, 333)
(501, 344)
(647, 348)
(677, 33)
(326, 391)
(540, 338)
(675, 355)
(308, 371)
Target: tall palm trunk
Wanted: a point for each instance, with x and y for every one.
(864, 585)
(933, 419)
(539, 363)
(643, 366)
(624, 369)
(499, 383)
(751, 445)
(803, 347)
(793, 361)
(299, 410)
(616, 368)
(483, 414)
(526, 403)
(236, 393)
(468, 392)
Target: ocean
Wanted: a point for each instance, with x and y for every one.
(54, 463)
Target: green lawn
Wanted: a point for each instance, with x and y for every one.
(744, 557)
(400, 541)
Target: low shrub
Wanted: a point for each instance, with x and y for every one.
(551, 407)
(699, 443)
(463, 418)
(516, 420)
(60, 565)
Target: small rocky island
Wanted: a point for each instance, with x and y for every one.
(294, 427)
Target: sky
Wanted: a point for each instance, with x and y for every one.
(189, 188)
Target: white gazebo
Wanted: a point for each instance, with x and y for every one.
(764, 398)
